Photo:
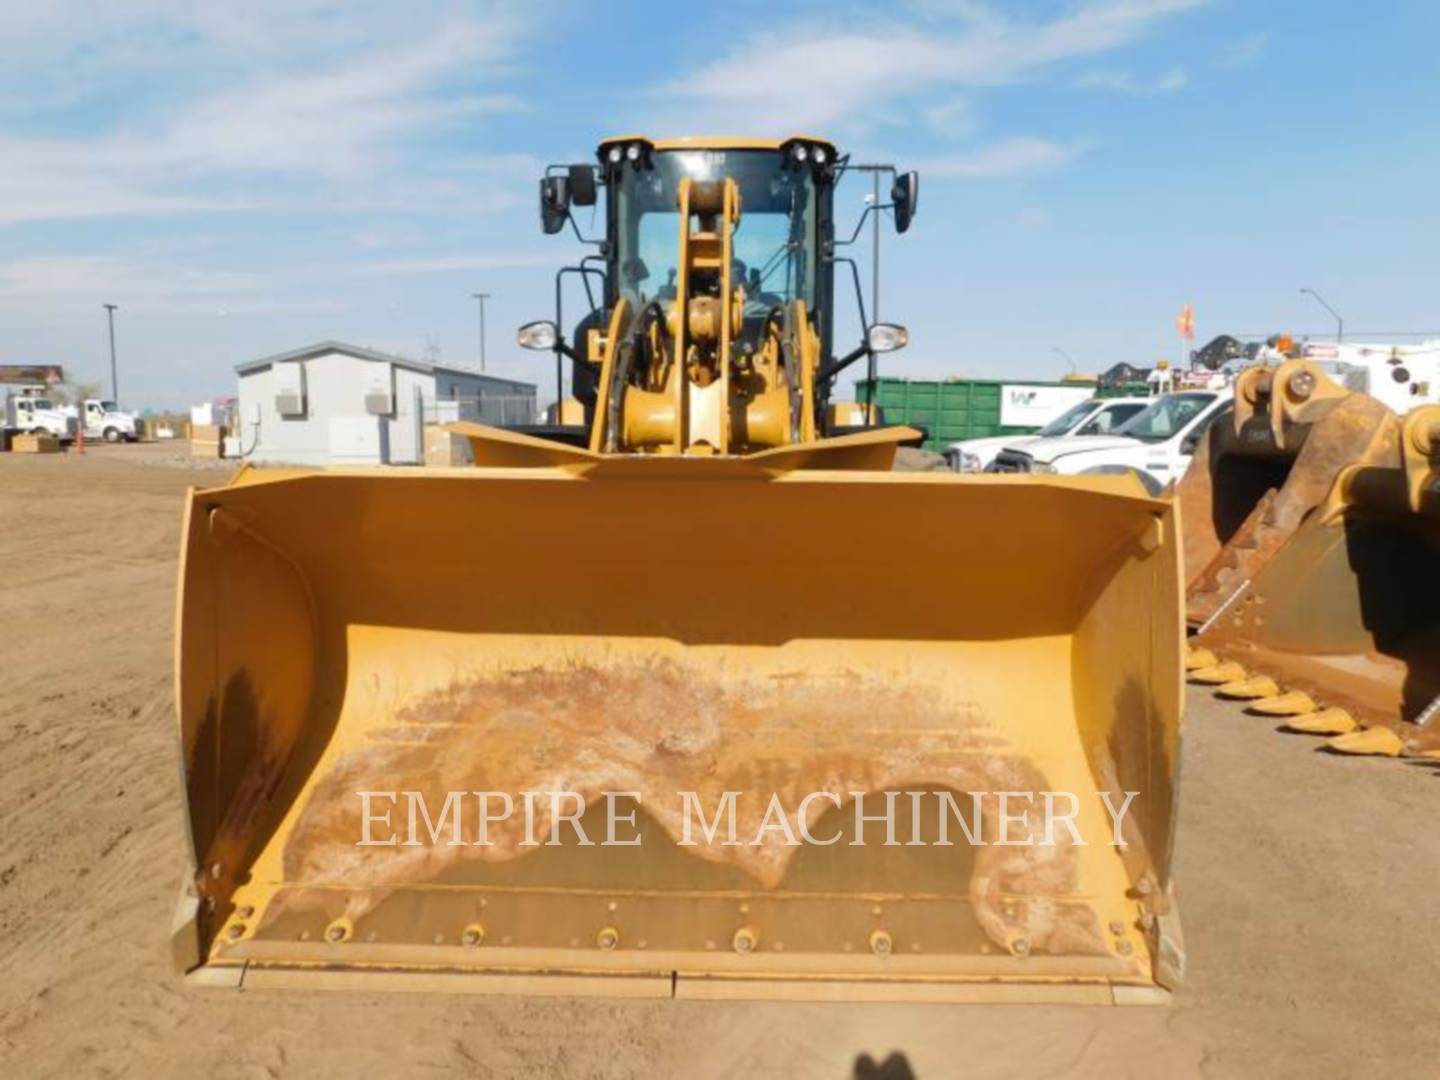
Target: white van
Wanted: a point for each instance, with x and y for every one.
(1156, 444)
(1094, 416)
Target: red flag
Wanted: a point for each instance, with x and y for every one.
(1185, 322)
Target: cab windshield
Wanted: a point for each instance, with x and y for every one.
(774, 255)
(1067, 421)
(1166, 418)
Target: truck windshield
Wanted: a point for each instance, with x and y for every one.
(1107, 420)
(1068, 420)
(775, 242)
(1166, 418)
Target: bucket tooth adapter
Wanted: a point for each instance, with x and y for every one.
(698, 697)
(1255, 479)
(1347, 612)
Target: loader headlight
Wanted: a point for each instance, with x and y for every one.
(800, 151)
(887, 337)
(820, 155)
(632, 152)
(614, 154)
(540, 336)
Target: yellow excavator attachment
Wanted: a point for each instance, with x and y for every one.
(1254, 480)
(685, 679)
(1345, 618)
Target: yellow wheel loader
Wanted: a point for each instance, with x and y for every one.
(696, 697)
(1255, 478)
(1339, 632)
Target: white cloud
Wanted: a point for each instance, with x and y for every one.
(161, 281)
(812, 78)
(1124, 83)
(1244, 50)
(1017, 156)
(341, 128)
(954, 119)
(433, 264)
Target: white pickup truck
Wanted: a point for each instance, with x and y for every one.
(104, 421)
(1093, 416)
(1156, 444)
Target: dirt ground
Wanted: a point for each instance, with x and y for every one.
(1308, 884)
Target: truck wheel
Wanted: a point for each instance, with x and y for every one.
(112, 434)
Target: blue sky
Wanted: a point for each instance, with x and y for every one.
(245, 181)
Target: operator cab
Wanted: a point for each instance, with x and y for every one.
(782, 251)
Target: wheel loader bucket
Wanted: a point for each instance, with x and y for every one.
(1253, 481)
(607, 724)
(1344, 621)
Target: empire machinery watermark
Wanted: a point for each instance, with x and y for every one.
(733, 819)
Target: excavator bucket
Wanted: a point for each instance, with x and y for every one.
(1254, 480)
(681, 726)
(1345, 619)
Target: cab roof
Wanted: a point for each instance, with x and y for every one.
(714, 142)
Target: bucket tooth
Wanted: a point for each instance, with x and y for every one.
(1219, 674)
(1381, 741)
(1196, 658)
(1252, 689)
(1295, 703)
(1324, 722)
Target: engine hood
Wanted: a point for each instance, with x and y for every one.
(1051, 450)
(990, 445)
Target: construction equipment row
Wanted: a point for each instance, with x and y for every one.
(1312, 550)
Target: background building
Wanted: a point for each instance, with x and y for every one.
(333, 403)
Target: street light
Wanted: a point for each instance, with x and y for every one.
(1339, 322)
(1066, 355)
(482, 297)
(114, 379)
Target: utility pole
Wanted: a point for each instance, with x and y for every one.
(114, 379)
(1339, 322)
(482, 297)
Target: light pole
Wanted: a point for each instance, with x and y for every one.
(114, 379)
(1066, 355)
(1339, 321)
(482, 297)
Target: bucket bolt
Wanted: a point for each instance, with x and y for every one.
(880, 943)
(745, 940)
(608, 938)
(472, 935)
(342, 929)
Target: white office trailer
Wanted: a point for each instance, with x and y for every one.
(339, 404)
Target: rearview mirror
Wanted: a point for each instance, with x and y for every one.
(554, 203)
(540, 336)
(887, 337)
(582, 185)
(905, 195)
